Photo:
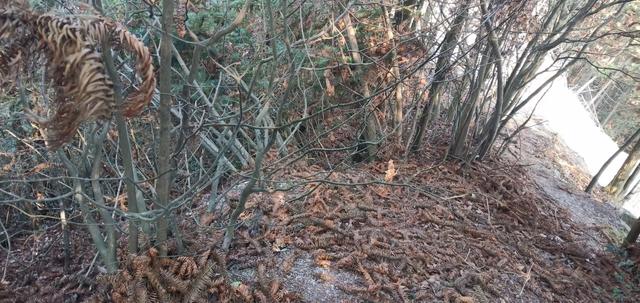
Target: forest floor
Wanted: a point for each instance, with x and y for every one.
(518, 229)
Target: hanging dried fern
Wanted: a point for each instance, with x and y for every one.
(71, 48)
(100, 28)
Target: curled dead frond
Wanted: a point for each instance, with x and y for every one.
(71, 48)
(101, 28)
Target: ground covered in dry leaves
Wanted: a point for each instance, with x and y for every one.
(416, 231)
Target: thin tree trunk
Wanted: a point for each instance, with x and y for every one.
(586, 85)
(633, 234)
(494, 123)
(417, 20)
(135, 205)
(164, 117)
(432, 109)
(464, 120)
(111, 239)
(598, 97)
(66, 243)
(395, 72)
(617, 184)
(371, 123)
(595, 178)
(618, 102)
(108, 258)
(404, 12)
(630, 184)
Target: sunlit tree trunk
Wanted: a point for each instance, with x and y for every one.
(395, 72)
(630, 184)
(371, 122)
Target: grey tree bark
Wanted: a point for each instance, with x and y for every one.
(164, 118)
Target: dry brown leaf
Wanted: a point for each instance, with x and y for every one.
(39, 197)
(274, 287)
(391, 171)
(8, 167)
(244, 291)
(121, 200)
(382, 191)
(278, 200)
(278, 244)
(206, 218)
(328, 80)
(324, 263)
(321, 260)
(277, 209)
(465, 300)
(288, 263)
(326, 277)
(41, 167)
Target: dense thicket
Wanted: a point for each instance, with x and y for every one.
(249, 88)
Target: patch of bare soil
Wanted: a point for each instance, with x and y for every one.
(562, 175)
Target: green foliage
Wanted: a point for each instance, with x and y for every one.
(372, 13)
(214, 17)
(618, 294)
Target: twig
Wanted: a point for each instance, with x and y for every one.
(527, 278)
(6, 263)
(95, 257)
(488, 211)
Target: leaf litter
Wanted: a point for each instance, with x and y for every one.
(388, 231)
(422, 231)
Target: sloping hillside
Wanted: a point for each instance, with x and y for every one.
(560, 111)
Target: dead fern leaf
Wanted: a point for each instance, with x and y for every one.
(185, 267)
(70, 47)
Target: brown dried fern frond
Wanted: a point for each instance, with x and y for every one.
(70, 45)
(83, 89)
(151, 278)
(199, 284)
(101, 28)
(184, 267)
(172, 283)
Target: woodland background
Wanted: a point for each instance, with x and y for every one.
(228, 150)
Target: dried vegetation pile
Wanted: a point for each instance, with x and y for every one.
(416, 231)
(481, 233)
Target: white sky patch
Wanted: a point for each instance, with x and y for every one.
(566, 116)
